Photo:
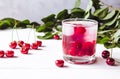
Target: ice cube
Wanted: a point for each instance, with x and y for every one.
(67, 29)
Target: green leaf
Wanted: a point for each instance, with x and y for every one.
(96, 4)
(77, 3)
(118, 42)
(77, 12)
(63, 14)
(88, 10)
(10, 21)
(45, 27)
(35, 24)
(102, 40)
(109, 44)
(110, 15)
(48, 35)
(59, 28)
(4, 25)
(50, 18)
(41, 28)
(116, 35)
(101, 13)
(110, 24)
(26, 22)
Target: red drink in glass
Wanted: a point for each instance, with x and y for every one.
(79, 40)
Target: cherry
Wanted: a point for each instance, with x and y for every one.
(27, 45)
(10, 53)
(72, 51)
(56, 37)
(105, 54)
(59, 63)
(34, 46)
(39, 43)
(76, 44)
(79, 29)
(110, 61)
(24, 50)
(2, 53)
(20, 43)
(88, 48)
(13, 44)
(81, 53)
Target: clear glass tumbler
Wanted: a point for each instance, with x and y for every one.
(79, 40)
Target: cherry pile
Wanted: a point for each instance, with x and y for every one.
(77, 44)
(8, 53)
(24, 47)
(109, 60)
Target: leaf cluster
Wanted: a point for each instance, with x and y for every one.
(108, 21)
(52, 22)
(6, 23)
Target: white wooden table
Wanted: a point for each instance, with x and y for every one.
(40, 64)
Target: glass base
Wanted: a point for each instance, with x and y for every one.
(80, 60)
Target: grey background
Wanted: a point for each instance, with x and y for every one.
(37, 9)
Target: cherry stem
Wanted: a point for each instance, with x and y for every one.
(34, 33)
(29, 35)
(17, 34)
(14, 27)
(111, 52)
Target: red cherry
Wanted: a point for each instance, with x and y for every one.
(20, 43)
(56, 37)
(39, 43)
(10, 53)
(79, 29)
(110, 61)
(34, 46)
(81, 53)
(59, 63)
(105, 54)
(76, 44)
(24, 50)
(72, 51)
(88, 48)
(13, 44)
(27, 45)
(2, 53)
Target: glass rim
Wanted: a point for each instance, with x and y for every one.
(80, 19)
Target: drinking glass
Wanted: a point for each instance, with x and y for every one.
(79, 40)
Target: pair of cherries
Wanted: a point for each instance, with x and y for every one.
(109, 60)
(25, 46)
(8, 53)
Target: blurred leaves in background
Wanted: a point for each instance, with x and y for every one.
(108, 18)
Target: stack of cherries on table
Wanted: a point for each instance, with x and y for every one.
(24, 48)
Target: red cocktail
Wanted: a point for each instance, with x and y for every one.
(79, 40)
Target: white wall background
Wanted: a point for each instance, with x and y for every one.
(37, 9)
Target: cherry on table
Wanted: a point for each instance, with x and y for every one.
(34, 46)
(27, 45)
(24, 50)
(13, 44)
(110, 61)
(59, 63)
(39, 43)
(20, 43)
(2, 53)
(105, 54)
(10, 53)
(57, 37)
